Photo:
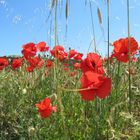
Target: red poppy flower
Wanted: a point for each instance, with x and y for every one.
(72, 53)
(95, 85)
(45, 108)
(16, 63)
(65, 68)
(59, 53)
(29, 69)
(35, 62)
(49, 64)
(29, 50)
(65, 64)
(42, 47)
(77, 66)
(78, 56)
(92, 62)
(121, 49)
(3, 63)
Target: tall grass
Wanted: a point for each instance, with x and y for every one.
(107, 119)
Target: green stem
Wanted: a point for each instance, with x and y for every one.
(96, 128)
(76, 90)
(129, 64)
(108, 35)
(116, 92)
(61, 109)
(56, 70)
(108, 50)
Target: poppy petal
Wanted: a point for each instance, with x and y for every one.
(104, 89)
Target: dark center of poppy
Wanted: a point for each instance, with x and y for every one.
(1, 64)
(125, 53)
(93, 64)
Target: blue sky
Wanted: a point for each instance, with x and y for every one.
(25, 21)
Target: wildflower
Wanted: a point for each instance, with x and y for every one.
(65, 64)
(59, 53)
(35, 62)
(49, 64)
(45, 108)
(16, 63)
(92, 62)
(3, 63)
(72, 53)
(78, 56)
(42, 47)
(121, 49)
(95, 85)
(29, 69)
(29, 50)
(65, 68)
(77, 66)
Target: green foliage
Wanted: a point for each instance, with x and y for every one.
(99, 119)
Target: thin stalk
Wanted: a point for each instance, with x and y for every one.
(86, 116)
(96, 125)
(76, 90)
(56, 31)
(108, 50)
(108, 35)
(117, 77)
(55, 36)
(56, 68)
(50, 40)
(129, 63)
(61, 109)
(94, 39)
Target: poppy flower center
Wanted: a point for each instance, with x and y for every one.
(1, 64)
(93, 64)
(124, 53)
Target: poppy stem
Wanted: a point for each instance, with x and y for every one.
(97, 120)
(108, 50)
(117, 89)
(56, 67)
(75, 90)
(61, 110)
(129, 64)
(108, 35)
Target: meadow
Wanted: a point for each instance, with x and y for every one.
(67, 97)
(54, 93)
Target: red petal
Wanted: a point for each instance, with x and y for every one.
(104, 89)
(91, 79)
(45, 113)
(87, 95)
